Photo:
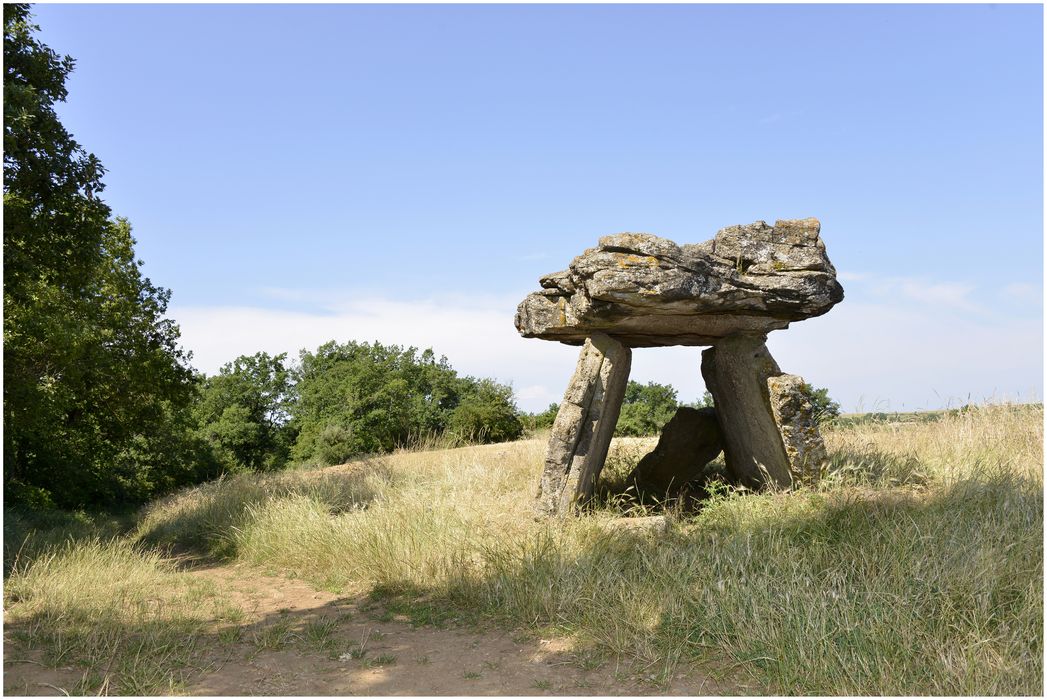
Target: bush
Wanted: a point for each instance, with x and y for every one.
(486, 413)
(334, 445)
(646, 409)
(825, 409)
(540, 421)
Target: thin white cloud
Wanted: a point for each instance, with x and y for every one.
(538, 393)
(941, 295)
(478, 338)
(779, 116)
(871, 354)
(875, 356)
(1023, 293)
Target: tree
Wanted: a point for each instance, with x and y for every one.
(365, 398)
(360, 398)
(95, 385)
(540, 421)
(646, 408)
(706, 401)
(486, 412)
(825, 409)
(242, 412)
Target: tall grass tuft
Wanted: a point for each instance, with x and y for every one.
(207, 518)
(112, 607)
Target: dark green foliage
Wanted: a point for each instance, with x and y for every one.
(53, 223)
(646, 409)
(486, 412)
(705, 402)
(363, 398)
(825, 409)
(95, 385)
(543, 420)
(242, 413)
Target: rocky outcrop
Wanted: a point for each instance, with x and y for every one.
(689, 441)
(647, 291)
(639, 290)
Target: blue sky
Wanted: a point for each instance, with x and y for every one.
(405, 173)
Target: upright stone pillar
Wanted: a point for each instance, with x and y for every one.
(736, 370)
(584, 425)
(796, 420)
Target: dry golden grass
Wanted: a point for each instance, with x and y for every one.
(118, 611)
(914, 567)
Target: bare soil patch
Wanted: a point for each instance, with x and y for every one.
(287, 638)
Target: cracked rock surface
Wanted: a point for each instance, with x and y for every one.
(647, 291)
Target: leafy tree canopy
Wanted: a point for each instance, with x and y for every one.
(94, 380)
(825, 409)
(357, 398)
(486, 412)
(243, 412)
(646, 408)
(540, 421)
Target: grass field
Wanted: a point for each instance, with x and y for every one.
(914, 567)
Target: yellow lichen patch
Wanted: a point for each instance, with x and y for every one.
(625, 260)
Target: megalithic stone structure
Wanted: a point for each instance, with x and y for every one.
(584, 425)
(635, 290)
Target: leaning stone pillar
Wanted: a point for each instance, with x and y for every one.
(736, 370)
(584, 425)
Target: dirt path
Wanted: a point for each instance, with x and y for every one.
(287, 638)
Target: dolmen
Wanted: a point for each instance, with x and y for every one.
(636, 290)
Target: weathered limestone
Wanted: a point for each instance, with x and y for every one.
(584, 425)
(736, 371)
(794, 415)
(689, 441)
(639, 290)
(647, 291)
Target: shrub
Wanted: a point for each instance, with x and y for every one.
(540, 421)
(486, 413)
(646, 408)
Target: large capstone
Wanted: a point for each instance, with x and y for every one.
(647, 291)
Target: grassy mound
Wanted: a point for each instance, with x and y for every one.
(915, 567)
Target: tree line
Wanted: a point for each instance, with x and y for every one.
(343, 400)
